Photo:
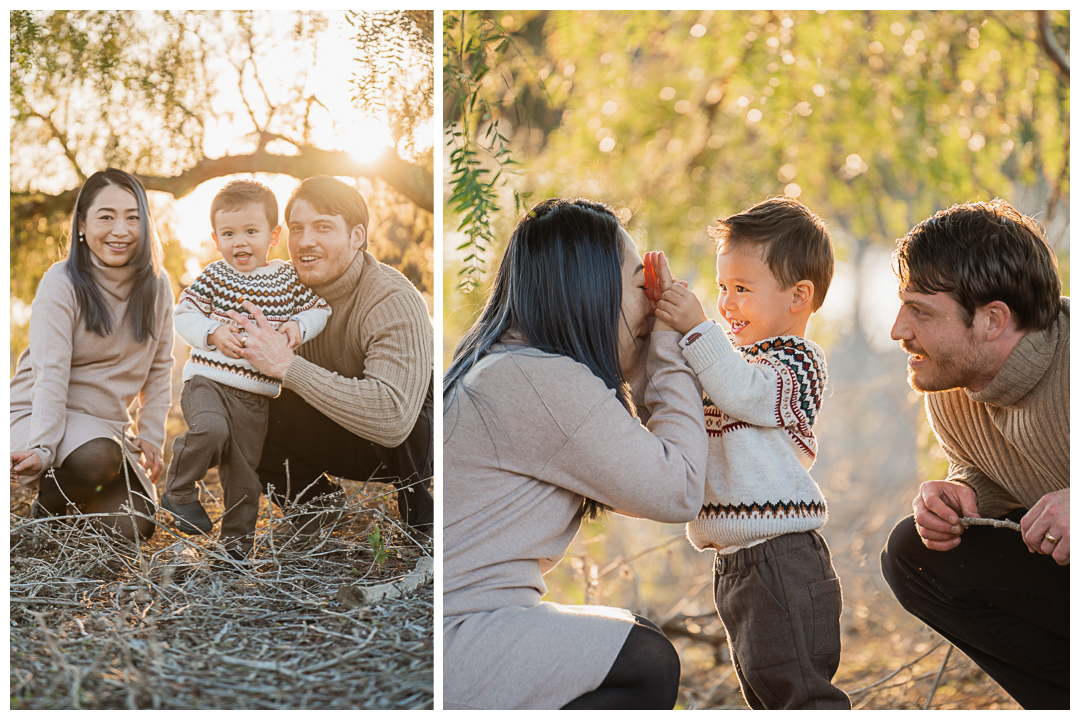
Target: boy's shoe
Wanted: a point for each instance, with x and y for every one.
(190, 518)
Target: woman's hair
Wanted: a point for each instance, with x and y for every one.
(146, 260)
(559, 285)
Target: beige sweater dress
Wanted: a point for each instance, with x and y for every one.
(526, 436)
(71, 385)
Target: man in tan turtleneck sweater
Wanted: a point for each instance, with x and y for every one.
(987, 330)
(360, 394)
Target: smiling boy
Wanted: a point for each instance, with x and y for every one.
(357, 402)
(225, 399)
(773, 583)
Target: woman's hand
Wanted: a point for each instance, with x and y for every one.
(151, 460)
(680, 308)
(25, 463)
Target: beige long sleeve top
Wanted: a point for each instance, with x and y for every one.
(1010, 441)
(71, 385)
(527, 436)
(370, 367)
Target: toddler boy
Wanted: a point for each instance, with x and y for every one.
(773, 582)
(225, 400)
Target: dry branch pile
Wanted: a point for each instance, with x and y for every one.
(315, 623)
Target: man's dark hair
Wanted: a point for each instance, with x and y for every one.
(981, 252)
(241, 193)
(796, 242)
(330, 196)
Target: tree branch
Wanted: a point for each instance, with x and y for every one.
(1050, 44)
(415, 183)
(60, 136)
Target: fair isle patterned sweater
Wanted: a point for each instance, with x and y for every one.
(274, 288)
(760, 406)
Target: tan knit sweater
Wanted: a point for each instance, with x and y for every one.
(71, 385)
(369, 369)
(1010, 441)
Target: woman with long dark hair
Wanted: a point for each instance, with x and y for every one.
(101, 336)
(540, 430)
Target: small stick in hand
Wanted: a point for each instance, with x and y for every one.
(968, 522)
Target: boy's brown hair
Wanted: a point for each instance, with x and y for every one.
(796, 243)
(241, 193)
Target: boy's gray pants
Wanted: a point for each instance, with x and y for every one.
(780, 603)
(226, 428)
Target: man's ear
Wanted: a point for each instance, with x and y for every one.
(802, 296)
(994, 319)
(358, 239)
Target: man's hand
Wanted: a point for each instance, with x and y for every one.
(227, 339)
(25, 462)
(151, 458)
(291, 330)
(1049, 518)
(267, 350)
(680, 308)
(938, 508)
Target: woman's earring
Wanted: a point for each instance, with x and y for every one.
(82, 238)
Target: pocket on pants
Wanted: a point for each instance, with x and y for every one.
(757, 623)
(828, 604)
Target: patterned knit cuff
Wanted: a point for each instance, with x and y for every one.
(708, 349)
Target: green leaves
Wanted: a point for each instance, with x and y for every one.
(377, 545)
(469, 43)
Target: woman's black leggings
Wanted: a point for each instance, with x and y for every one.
(92, 478)
(644, 676)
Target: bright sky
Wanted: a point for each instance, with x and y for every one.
(341, 126)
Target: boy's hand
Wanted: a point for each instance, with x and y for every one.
(227, 339)
(680, 308)
(291, 330)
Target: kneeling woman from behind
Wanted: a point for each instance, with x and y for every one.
(539, 431)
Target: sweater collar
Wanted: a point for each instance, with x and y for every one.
(116, 281)
(344, 284)
(1023, 369)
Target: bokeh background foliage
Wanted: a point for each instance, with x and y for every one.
(187, 100)
(874, 119)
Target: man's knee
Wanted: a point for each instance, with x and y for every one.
(898, 557)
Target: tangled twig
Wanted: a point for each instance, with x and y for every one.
(98, 622)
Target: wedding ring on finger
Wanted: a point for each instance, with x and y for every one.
(1051, 539)
(243, 341)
